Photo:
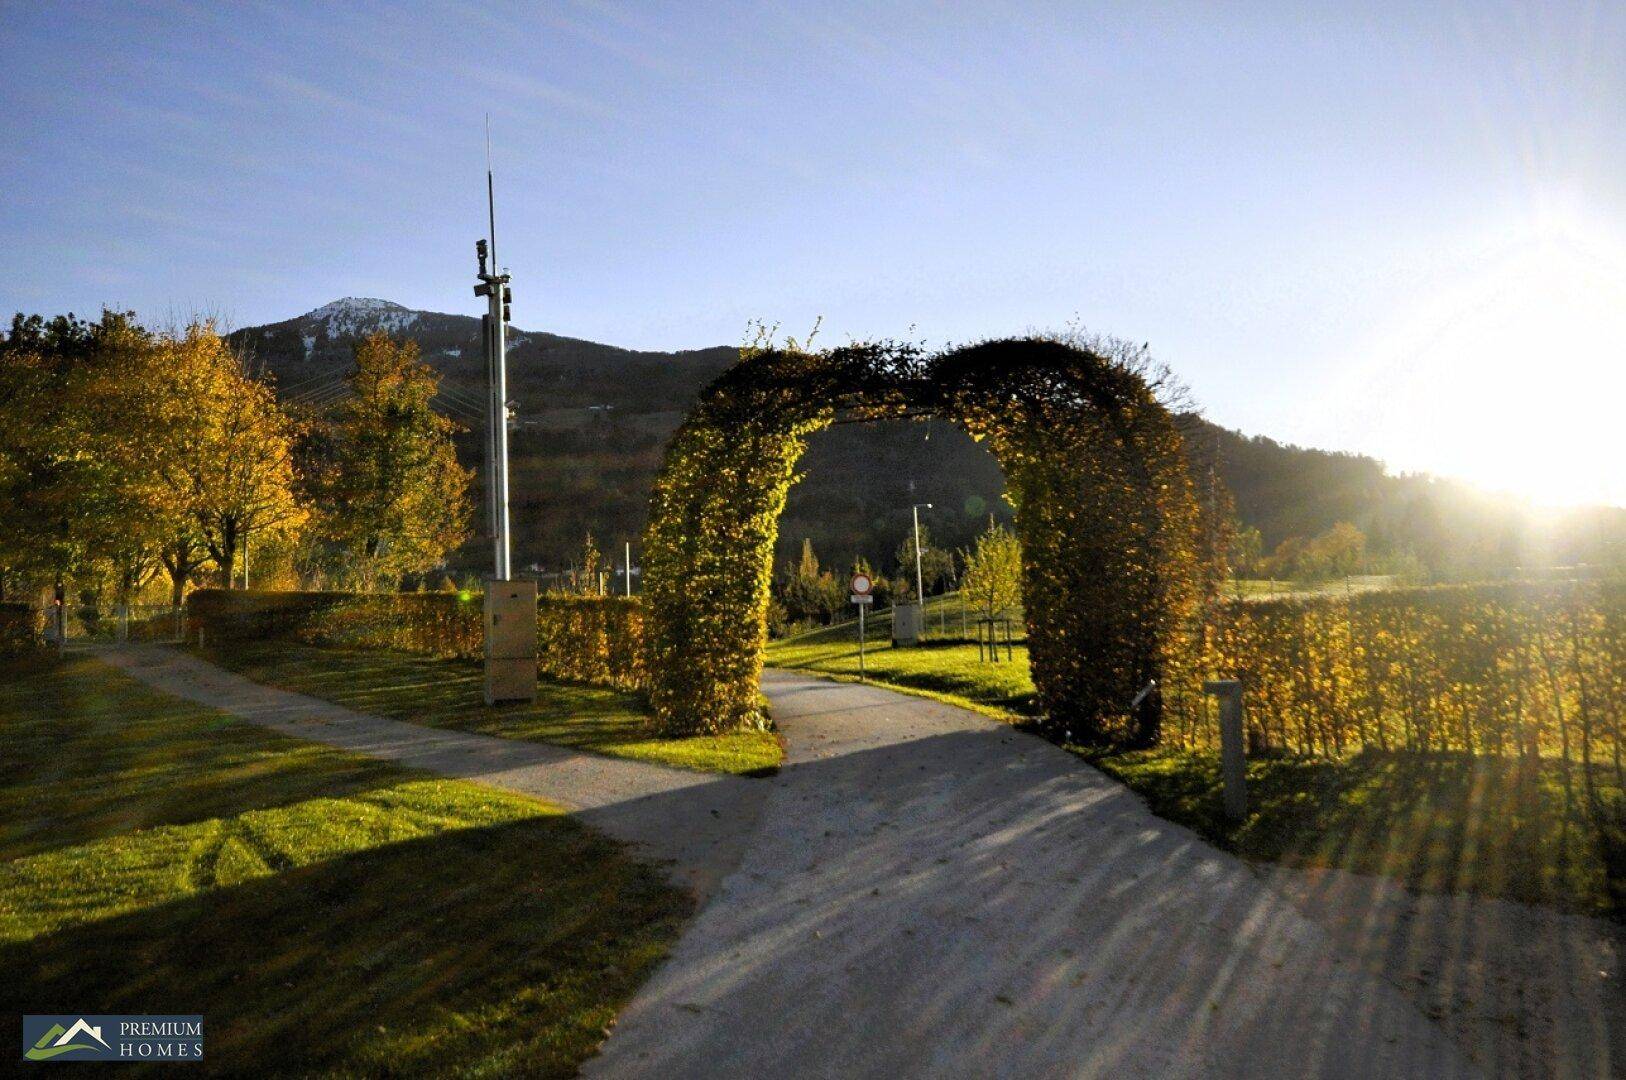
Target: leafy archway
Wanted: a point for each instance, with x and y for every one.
(1093, 465)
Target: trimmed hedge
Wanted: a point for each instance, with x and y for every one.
(592, 639)
(429, 624)
(1093, 462)
(1504, 669)
(584, 639)
(22, 629)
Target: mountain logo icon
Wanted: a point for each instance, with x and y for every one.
(59, 1040)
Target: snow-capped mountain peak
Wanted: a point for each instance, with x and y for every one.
(357, 315)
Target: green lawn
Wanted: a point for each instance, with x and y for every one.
(446, 693)
(328, 914)
(1259, 587)
(945, 668)
(1439, 822)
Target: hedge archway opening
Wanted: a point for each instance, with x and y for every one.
(1093, 465)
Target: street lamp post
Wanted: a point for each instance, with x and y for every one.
(920, 587)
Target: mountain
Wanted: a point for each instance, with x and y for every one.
(310, 354)
(592, 421)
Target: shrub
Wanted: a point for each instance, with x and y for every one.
(221, 615)
(592, 639)
(1505, 669)
(22, 629)
(586, 639)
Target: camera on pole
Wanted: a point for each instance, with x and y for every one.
(510, 605)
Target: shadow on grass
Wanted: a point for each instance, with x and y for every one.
(1437, 822)
(448, 693)
(496, 950)
(1022, 704)
(92, 753)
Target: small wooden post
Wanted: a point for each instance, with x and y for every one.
(1233, 762)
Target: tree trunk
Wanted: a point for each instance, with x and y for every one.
(226, 554)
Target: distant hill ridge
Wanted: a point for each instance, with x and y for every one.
(594, 420)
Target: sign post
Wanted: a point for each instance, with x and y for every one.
(861, 586)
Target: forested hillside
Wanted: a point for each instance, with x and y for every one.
(592, 420)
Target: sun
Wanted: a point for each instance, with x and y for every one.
(1513, 379)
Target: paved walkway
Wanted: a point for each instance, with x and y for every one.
(933, 894)
(922, 892)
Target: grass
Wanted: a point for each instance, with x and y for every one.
(328, 914)
(945, 669)
(1442, 823)
(447, 693)
(1260, 587)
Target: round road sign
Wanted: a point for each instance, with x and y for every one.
(862, 584)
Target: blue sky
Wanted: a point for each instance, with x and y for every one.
(1394, 229)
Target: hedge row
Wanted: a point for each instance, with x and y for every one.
(585, 639)
(592, 639)
(1505, 669)
(22, 629)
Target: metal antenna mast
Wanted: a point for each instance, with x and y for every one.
(494, 287)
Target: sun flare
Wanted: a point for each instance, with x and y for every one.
(1512, 379)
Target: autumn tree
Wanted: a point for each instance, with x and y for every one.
(809, 592)
(392, 498)
(39, 463)
(1338, 552)
(126, 435)
(229, 461)
(79, 493)
(1247, 548)
(992, 582)
(591, 561)
(936, 563)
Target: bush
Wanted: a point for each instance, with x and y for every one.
(587, 639)
(22, 629)
(592, 639)
(1525, 668)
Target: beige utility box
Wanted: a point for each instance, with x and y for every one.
(906, 624)
(510, 622)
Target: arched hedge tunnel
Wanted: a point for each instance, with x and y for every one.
(1093, 465)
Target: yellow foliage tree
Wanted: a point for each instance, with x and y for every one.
(992, 582)
(393, 498)
(229, 458)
